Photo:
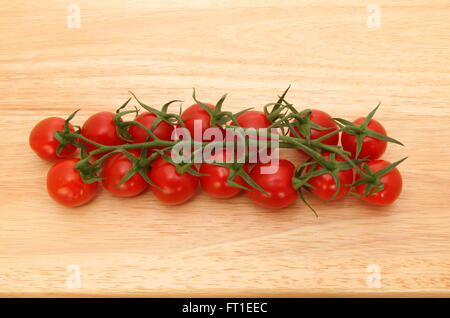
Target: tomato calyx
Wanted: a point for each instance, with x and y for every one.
(181, 167)
(283, 112)
(218, 118)
(277, 108)
(299, 123)
(122, 126)
(237, 169)
(294, 128)
(90, 172)
(66, 136)
(140, 165)
(372, 179)
(361, 131)
(161, 116)
(305, 171)
(303, 124)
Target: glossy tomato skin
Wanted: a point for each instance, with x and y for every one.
(114, 170)
(44, 144)
(253, 119)
(100, 128)
(64, 184)
(324, 185)
(392, 184)
(371, 148)
(323, 119)
(277, 185)
(176, 188)
(193, 113)
(163, 130)
(215, 184)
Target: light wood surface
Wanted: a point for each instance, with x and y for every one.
(251, 50)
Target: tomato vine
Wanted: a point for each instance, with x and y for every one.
(293, 128)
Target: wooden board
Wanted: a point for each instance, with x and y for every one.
(335, 59)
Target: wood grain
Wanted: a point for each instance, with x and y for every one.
(251, 50)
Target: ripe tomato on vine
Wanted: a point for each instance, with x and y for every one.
(170, 186)
(279, 192)
(65, 185)
(115, 169)
(43, 142)
(129, 155)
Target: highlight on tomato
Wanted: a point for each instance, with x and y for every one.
(172, 187)
(65, 185)
(257, 120)
(204, 116)
(115, 168)
(162, 130)
(195, 113)
(43, 142)
(384, 182)
(100, 128)
(324, 186)
(215, 179)
(365, 137)
(253, 119)
(372, 148)
(316, 118)
(278, 185)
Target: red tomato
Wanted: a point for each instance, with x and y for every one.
(64, 184)
(277, 185)
(193, 113)
(324, 185)
(392, 184)
(114, 170)
(371, 147)
(176, 188)
(253, 119)
(324, 120)
(163, 130)
(44, 144)
(215, 184)
(100, 128)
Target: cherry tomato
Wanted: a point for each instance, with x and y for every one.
(64, 184)
(277, 185)
(100, 128)
(44, 144)
(176, 188)
(324, 120)
(324, 185)
(114, 170)
(163, 130)
(253, 119)
(392, 184)
(372, 148)
(215, 184)
(196, 113)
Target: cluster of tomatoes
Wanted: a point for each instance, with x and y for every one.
(327, 174)
(281, 185)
